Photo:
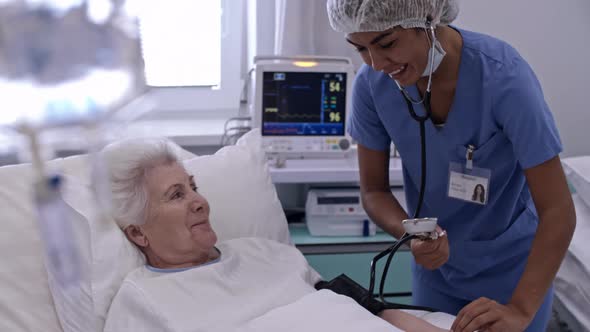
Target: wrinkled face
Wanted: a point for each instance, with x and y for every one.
(177, 227)
(400, 53)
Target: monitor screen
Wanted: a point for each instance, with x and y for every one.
(303, 104)
(329, 200)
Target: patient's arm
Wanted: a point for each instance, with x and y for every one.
(407, 322)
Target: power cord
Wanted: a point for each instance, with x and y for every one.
(232, 134)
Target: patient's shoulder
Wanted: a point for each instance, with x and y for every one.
(133, 309)
(136, 277)
(262, 250)
(256, 245)
(139, 273)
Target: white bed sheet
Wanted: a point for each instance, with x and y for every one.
(327, 311)
(572, 283)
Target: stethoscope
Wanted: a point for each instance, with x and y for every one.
(422, 121)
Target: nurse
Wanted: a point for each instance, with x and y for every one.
(490, 131)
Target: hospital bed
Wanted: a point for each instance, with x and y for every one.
(32, 299)
(572, 284)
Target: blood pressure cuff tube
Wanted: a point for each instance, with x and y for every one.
(343, 285)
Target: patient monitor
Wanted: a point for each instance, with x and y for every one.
(301, 104)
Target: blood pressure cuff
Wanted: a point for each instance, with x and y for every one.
(343, 285)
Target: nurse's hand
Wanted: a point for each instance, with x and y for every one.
(431, 254)
(488, 315)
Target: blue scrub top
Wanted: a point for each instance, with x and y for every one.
(499, 108)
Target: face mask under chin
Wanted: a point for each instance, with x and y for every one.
(439, 54)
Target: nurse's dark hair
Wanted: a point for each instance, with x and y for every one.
(482, 195)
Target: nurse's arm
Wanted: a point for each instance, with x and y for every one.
(557, 221)
(378, 201)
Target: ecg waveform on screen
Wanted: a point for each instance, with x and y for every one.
(287, 116)
(303, 103)
(283, 115)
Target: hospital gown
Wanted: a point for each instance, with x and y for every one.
(252, 277)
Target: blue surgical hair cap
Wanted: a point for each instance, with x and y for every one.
(351, 16)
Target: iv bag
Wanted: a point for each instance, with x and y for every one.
(66, 270)
(60, 246)
(66, 66)
(67, 61)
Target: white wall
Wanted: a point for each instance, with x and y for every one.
(554, 37)
(306, 30)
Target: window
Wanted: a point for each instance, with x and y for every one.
(192, 53)
(181, 44)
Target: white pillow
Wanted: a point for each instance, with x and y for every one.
(25, 300)
(577, 170)
(72, 300)
(110, 256)
(243, 200)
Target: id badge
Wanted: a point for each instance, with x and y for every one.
(469, 184)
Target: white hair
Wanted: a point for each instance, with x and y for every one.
(128, 162)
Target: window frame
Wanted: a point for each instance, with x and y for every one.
(218, 100)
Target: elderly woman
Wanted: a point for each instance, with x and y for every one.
(190, 282)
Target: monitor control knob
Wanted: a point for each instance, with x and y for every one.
(344, 144)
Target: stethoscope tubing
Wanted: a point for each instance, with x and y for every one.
(421, 119)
